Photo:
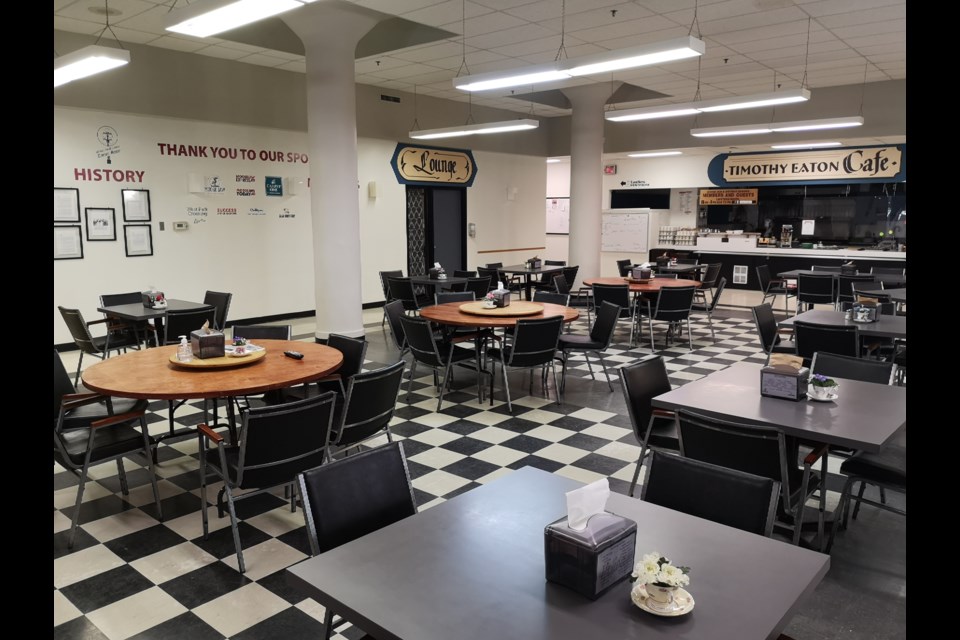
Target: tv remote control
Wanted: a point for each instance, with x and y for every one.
(296, 355)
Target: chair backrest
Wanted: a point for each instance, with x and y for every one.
(815, 288)
(494, 265)
(464, 274)
(561, 284)
(715, 300)
(357, 495)
(570, 273)
(279, 441)
(811, 338)
(688, 260)
(114, 299)
(479, 286)
(61, 384)
(402, 289)
(766, 326)
(761, 451)
(454, 296)
(550, 297)
(181, 323)
(846, 283)
(353, 350)
(535, 341)
(263, 331)
(78, 330)
(618, 294)
(369, 404)
(826, 268)
(672, 276)
(492, 275)
(394, 313)
(735, 498)
(888, 271)
(882, 298)
(862, 369)
(642, 381)
(623, 266)
(674, 303)
(555, 263)
(397, 273)
(713, 272)
(221, 302)
(420, 340)
(763, 277)
(605, 323)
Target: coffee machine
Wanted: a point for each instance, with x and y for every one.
(786, 235)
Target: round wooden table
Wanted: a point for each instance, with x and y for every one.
(449, 313)
(149, 374)
(653, 286)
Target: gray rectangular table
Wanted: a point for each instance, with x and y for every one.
(679, 268)
(527, 273)
(138, 313)
(885, 278)
(886, 326)
(865, 416)
(473, 568)
(895, 295)
(437, 284)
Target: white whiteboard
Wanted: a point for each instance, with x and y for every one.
(624, 232)
(558, 215)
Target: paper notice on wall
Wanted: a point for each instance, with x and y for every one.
(806, 227)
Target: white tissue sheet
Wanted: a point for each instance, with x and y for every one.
(585, 502)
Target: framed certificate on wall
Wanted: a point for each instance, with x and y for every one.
(138, 240)
(67, 242)
(101, 224)
(66, 205)
(136, 205)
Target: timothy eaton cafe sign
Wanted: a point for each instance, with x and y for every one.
(823, 166)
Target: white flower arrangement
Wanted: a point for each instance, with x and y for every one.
(656, 569)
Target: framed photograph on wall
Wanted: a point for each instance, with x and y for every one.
(67, 242)
(138, 240)
(136, 205)
(66, 205)
(101, 224)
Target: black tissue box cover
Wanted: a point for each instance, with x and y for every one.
(593, 560)
(206, 345)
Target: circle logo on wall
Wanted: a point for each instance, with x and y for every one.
(109, 138)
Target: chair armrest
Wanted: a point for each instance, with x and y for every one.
(211, 435)
(331, 378)
(100, 321)
(815, 455)
(74, 400)
(120, 417)
(663, 413)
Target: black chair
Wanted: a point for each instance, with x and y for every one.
(276, 444)
(570, 275)
(673, 307)
(494, 265)
(349, 498)
(386, 289)
(735, 498)
(428, 351)
(492, 276)
(671, 276)
(546, 280)
(181, 323)
(623, 267)
(598, 341)
(441, 297)
(852, 368)
(464, 274)
(688, 261)
(89, 428)
(100, 346)
(815, 288)
(812, 338)
(642, 382)
(550, 297)
(773, 287)
(761, 451)
(708, 282)
(479, 286)
(618, 294)
(885, 470)
(402, 289)
(826, 268)
(221, 302)
(143, 329)
(888, 271)
(467, 333)
(532, 344)
(845, 286)
(368, 407)
(394, 311)
(709, 308)
(353, 350)
(769, 333)
(263, 331)
(554, 263)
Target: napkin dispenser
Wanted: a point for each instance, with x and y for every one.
(434, 274)
(501, 298)
(534, 263)
(639, 273)
(592, 560)
(150, 298)
(784, 378)
(207, 343)
(865, 311)
(663, 261)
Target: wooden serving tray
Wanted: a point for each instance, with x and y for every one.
(518, 308)
(222, 362)
(638, 280)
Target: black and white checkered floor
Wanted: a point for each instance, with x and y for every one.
(130, 576)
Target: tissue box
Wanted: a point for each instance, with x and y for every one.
(534, 264)
(149, 298)
(434, 274)
(501, 298)
(782, 381)
(641, 274)
(206, 345)
(593, 560)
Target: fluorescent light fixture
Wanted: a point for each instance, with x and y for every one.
(760, 100)
(475, 129)
(208, 17)
(655, 154)
(810, 125)
(778, 127)
(553, 160)
(806, 145)
(650, 113)
(87, 61)
(656, 53)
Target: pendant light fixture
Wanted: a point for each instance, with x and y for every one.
(209, 17)
(90, 60)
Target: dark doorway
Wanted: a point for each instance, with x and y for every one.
(436, 228)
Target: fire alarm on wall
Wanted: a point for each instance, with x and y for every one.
(610, 169)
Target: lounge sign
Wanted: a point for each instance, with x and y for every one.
(728, 196)
(421, 165)
(849, 164)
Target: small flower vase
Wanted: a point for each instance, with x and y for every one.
(659, 596)
(489, 304)
(822, 393)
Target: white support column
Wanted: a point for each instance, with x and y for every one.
(330, 36)
(586, 178)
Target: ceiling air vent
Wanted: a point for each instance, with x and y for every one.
(387, 98)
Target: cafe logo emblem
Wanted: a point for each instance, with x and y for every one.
(108, 138)
(286, 214)
(256, 211)
(198, 214)
(212, 184)
(246, 178)
(246, 192)
(226, 211)
(274, 186)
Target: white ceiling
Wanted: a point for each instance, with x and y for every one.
(751, 45)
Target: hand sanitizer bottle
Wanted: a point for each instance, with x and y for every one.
(184, 351)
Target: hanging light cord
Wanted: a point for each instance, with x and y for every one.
(416, 123)
(563, 31)
(863, 87)
(806, 56)
(106, 15)
(463, 41)
(695, 21)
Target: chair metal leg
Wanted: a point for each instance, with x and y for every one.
(122, 474)
(446, 377)
(823, 501)
(236, 530)
(690, 335)
(506, 386)
(713, 336)
(856, 509)
(203, 487)
(605, 374)
(798, 512)
(76, 378)
(653, 347)
(556, 388)
(586, 356)
(839, 517)
(75, 520)
(327, 624)
(636, 474)
(413, 371)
